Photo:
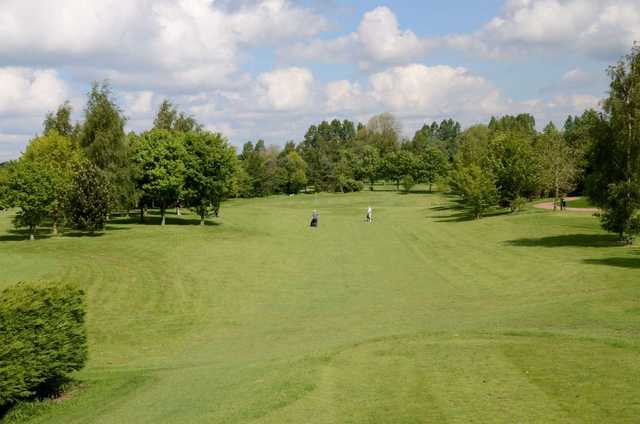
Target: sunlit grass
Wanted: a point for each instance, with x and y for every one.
(422, 316)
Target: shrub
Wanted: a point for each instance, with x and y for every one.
(352, 185)
(348, 185)
(42, 338)
(518, 204)
(408, 182)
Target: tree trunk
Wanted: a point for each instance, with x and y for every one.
(201, 219)
(32, 232)
(54, 230)
(430, 186)
(178, 210)
(162, 211)
(397, 185)
(141, 214)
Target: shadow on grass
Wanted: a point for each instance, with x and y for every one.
(462, 214)
(633, 263)
(21, 234)
(402, 192)
(49, 390)
(568, 240)
(156, 220)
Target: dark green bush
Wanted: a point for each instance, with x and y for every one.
(42, 338)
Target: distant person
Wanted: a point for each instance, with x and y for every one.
(563, 204)
(369, 215)
(314, 218)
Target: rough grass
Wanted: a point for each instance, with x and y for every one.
(423, 316)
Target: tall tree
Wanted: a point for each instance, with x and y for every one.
(6, 169)
(293, 169)
(396, 165)
(32, 189)
(431, 164)
(615, 157)
(512, 161)
(385, 132)
(60, 121)
(558, 162)
(476, 187)
(368, 165)
(160, 156)
(210, 171)
(103, 139)
(169, 118)
(60, 156)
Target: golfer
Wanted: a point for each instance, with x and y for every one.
(369, 215)
(314, 218)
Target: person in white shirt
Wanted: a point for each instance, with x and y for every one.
(370, 215)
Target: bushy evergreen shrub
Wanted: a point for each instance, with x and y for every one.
(42, 337)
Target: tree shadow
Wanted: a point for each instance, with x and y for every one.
(568, 240)
(633, 263)
(157, 219)
(22, 234)
(404, 193)
(462, 214)
(79, 234)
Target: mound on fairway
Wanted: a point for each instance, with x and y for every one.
(422, 316)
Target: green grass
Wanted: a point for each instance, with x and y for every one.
(582, 202)
(422, 316)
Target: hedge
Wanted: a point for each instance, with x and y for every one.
(42, 337)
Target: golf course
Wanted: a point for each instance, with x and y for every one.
(423, 316)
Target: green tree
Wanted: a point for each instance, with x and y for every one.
(6, 169)
(558, 163)
(476, 187)
(60, 156)
(473, 146)
(368, 165)
(210, 171)
(294, 175)
(431, 165)
(87, 202)
(60, 121)
(615, 157)
(512, 160)
(407, 183)
(384, 132)
(32, 189)
(168, 118)
(396, 165)
(159, 157)
(103, 139)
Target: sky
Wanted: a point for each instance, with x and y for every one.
(269, 69)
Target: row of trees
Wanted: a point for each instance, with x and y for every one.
(77, 174)
(343, 156)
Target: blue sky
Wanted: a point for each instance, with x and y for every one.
(270, 68)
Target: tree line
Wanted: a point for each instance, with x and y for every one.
(79, 173)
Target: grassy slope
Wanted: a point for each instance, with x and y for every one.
(420, 317)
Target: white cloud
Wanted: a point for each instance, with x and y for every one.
(604, 29)
(287, 89)
(419, 90)
(378, 41)
(186, 44)
(30, 92)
